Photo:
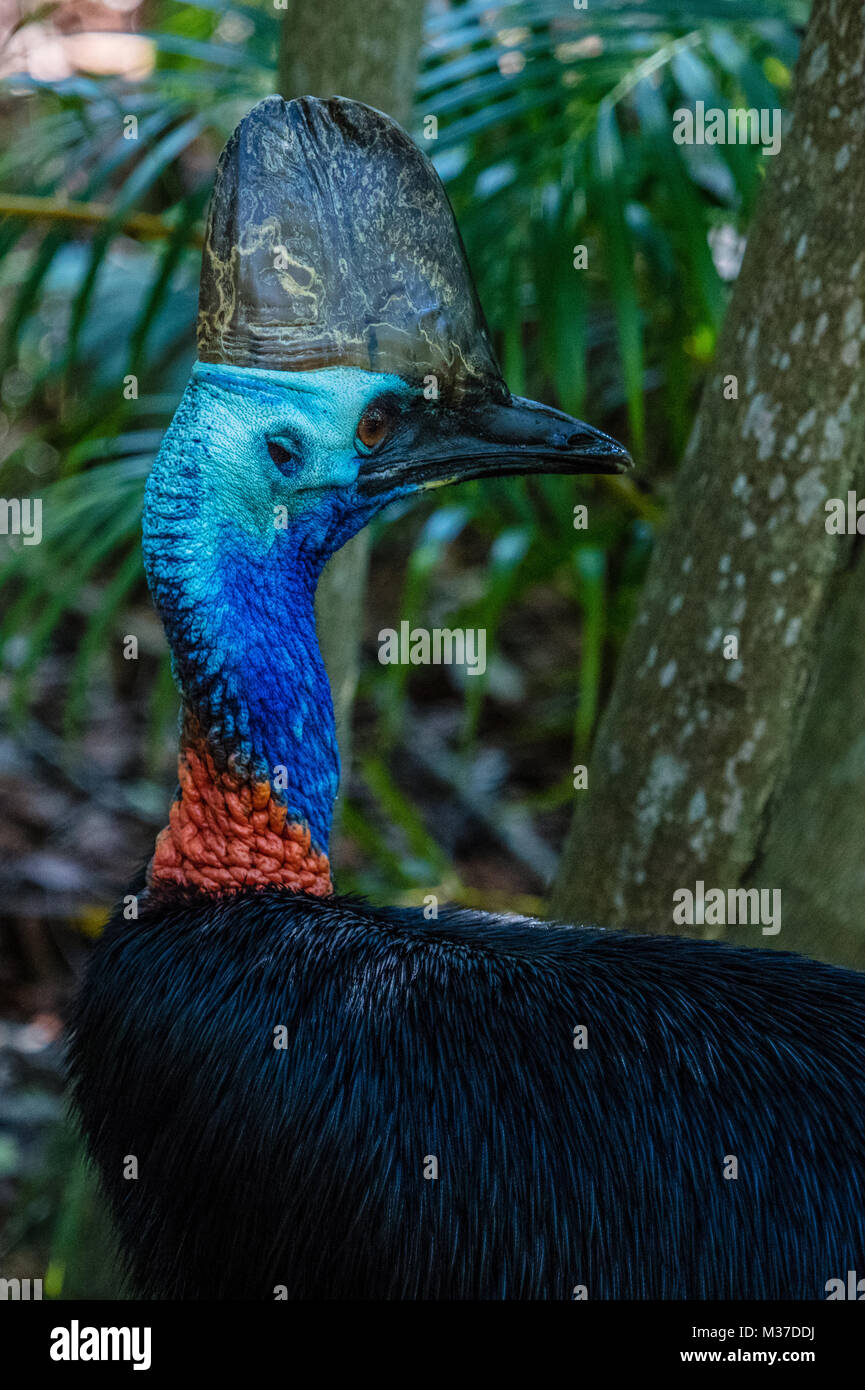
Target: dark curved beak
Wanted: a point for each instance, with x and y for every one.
(489, 439)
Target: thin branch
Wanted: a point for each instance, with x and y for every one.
(146, 226)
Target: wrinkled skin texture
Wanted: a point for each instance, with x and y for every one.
(234, 544)
(227, 832)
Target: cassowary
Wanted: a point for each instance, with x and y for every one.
(289, 1093)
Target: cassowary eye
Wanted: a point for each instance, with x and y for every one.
(282, 457)
(374, 426)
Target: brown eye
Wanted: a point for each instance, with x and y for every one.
(374, 426)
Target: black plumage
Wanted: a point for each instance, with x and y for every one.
(300, 1171)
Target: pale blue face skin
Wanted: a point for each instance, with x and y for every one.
(233, 547)
(314, 416)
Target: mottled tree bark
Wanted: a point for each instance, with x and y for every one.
(814, 845)
(367, 49)
(751, 771)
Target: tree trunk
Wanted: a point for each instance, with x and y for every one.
(368, 50)
(749, 769)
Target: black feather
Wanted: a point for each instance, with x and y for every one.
(302, 1169)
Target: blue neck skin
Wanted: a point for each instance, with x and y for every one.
(234, 545)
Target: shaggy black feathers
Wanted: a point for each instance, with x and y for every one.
(264, 1169)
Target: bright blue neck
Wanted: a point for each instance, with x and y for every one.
(241, 626)
(252, 491)
(267, 703)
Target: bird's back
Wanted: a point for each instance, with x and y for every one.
(330, 1100)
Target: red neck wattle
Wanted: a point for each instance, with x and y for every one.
(227, 832)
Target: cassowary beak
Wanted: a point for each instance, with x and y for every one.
(488, 439)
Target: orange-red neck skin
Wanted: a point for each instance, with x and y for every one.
(227, 832)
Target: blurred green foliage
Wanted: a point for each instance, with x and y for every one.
(59, 1230)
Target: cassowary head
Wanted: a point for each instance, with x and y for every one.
(344, 362)
(344, 359)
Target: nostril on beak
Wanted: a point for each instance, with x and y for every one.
(560, 440)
